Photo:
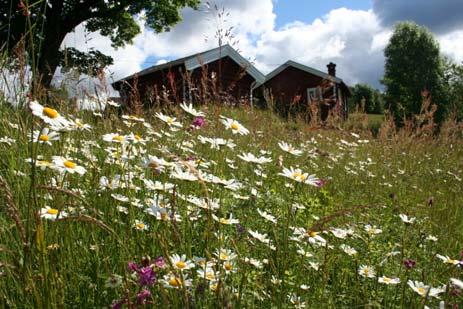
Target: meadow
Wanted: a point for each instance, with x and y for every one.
(216, 207)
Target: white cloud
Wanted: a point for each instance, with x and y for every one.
(452, 45)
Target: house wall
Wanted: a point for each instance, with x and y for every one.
(231, 84)
(289, 92)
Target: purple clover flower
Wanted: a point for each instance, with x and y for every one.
(160, 262)
(146, 276)
(409, 263)
(142, 296)
(198, 122)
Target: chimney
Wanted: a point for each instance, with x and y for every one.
(331, 69)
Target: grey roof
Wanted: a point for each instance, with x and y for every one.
(194, 61)
(302, 67)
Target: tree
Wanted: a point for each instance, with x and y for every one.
(453, 86)
(42, 26)
(413, 64)
(367, 95)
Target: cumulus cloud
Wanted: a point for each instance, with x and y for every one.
(441, 16)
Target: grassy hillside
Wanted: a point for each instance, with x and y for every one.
(152, 211)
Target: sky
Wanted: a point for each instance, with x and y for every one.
(350, 33)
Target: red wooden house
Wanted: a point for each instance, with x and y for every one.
(220, 73)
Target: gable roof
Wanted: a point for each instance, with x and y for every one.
(301, 67)
(197, 60)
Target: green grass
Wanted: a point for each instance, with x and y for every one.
(82, 260)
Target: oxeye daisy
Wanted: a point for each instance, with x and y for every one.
(173, 281)
(235, 126)
(289, 148)
(407, 220)
(226, 221)
(388, 281)
(45, 136)
(67, 165)
(249, 157)
(448, 260)
(190, 110)
(52, 213)
(207, 273)
(48, 115)
(114, 138)
(170, 121)
(425, 290)
(180, 262)
(225, 254)
(140, 225)
(367, 271)
(299, 176)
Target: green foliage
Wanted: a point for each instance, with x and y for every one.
(453, 85)
(89, 63)
(366, 98)
(43, 25)
(413, 64)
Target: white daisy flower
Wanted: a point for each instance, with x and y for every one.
(140, 225)
(190, 110)
(227, 221)
(48, 115)
(267, 216)
(263, 238)
(388, 281)
(45, 136)
(425, 290)
(372, 230)
(170, 121)
(448, 260)
(181, 263)
(66, 165)
(367, 271)
(289, 148)
(299, 176)
(52, 213)
(171, 281)
(249, 157)
(405, 219)
(114, 138)
(235, 126)
(348, 250)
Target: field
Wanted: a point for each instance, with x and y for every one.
(235, 208)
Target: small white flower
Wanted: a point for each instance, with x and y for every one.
(235, 126)
(170, 121)
(405, 219)
(388, 281)
(367, 271)
(48, 115)
(289, 148)
(249, 157)
(66, 165)
(299, 176)
(191, 110)
(456, 282)
(52, 213)
(140, 225)
(448, 260)
(181, 263)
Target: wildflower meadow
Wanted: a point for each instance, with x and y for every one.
(216, 207)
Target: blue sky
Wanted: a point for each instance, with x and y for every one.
(288, 11)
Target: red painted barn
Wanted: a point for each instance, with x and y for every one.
(220, 73)
(293, 86)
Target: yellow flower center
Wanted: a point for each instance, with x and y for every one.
(298, 176)
(366, 270)
(44, 138)
(69, 164)
(421, 291)
(387, 280)
(227, 266)
(140, 226)
(52, 211)
(118, 138)
(223, 256)
(173, 281)
(164, 216)
(235, 126)
(170, 120)
(137, 137)
(224, 221)
(153, 165)
(313, 234)
(180, 264)
(50, 112)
